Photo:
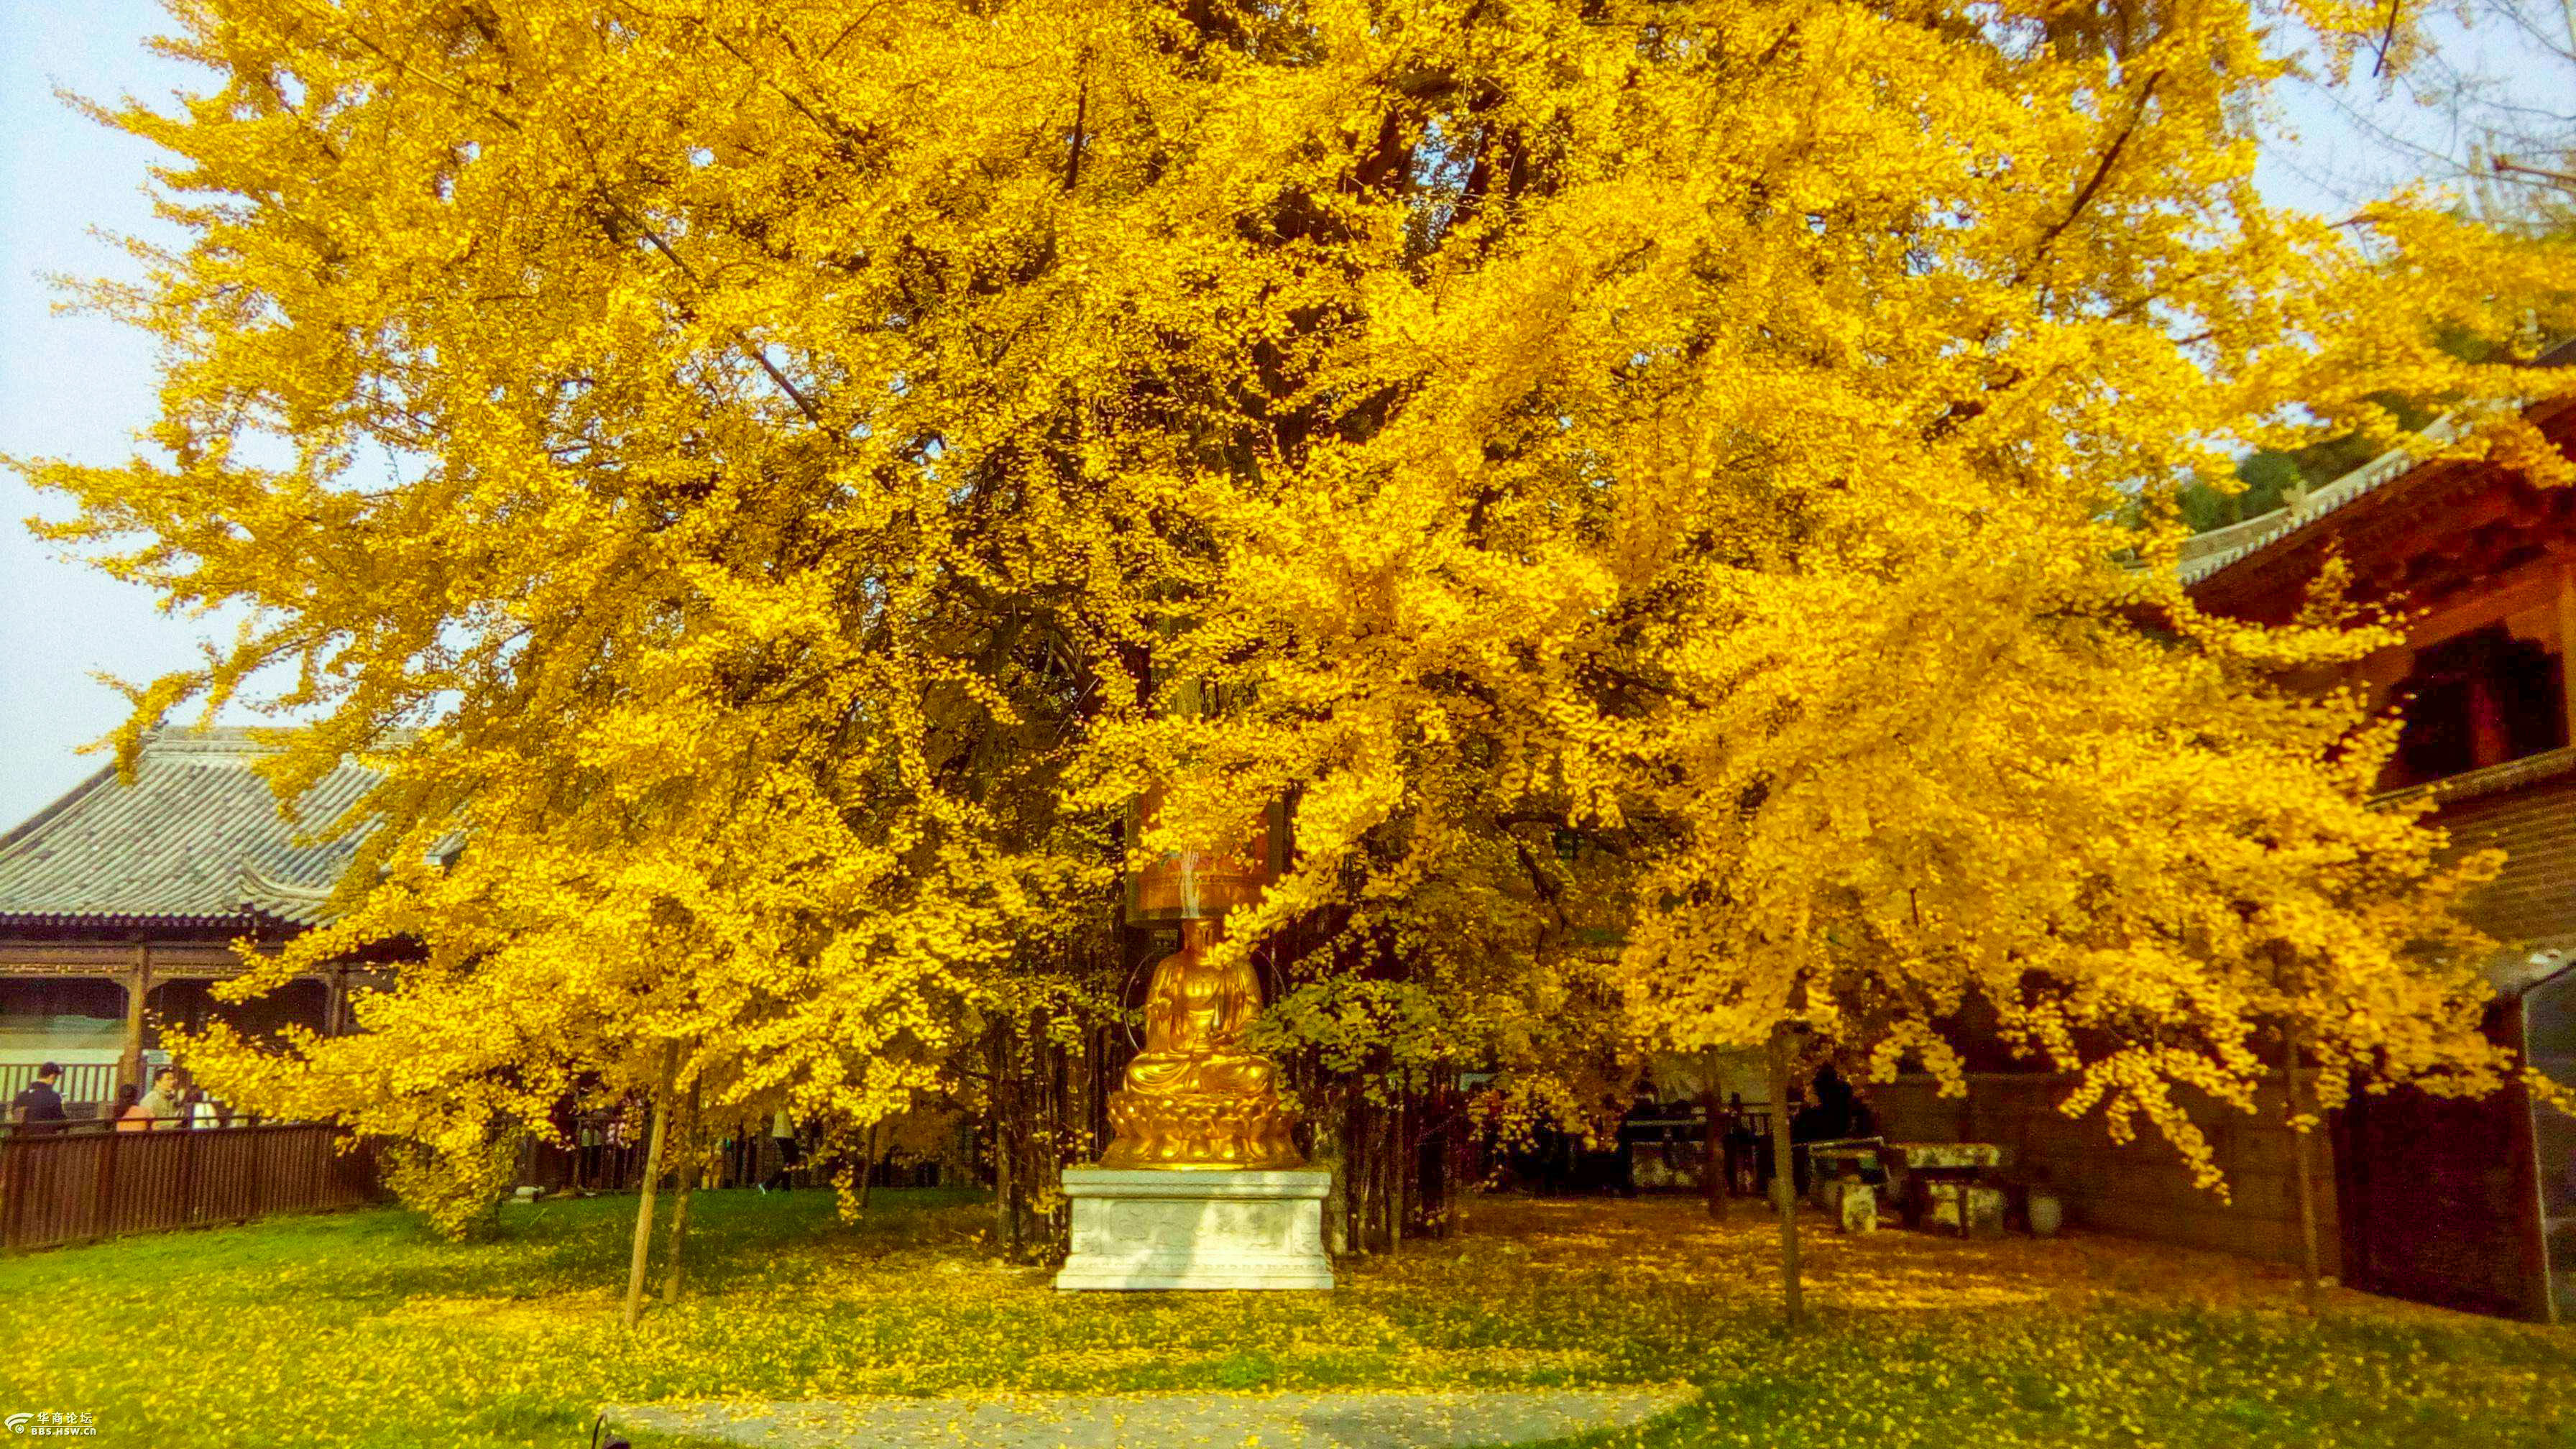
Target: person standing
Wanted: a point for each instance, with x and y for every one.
(782, 1131)
(591, 1151)
(126, 1114)
(38, 1110)
(1742, 1149)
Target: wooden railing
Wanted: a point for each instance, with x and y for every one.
(75, 1186)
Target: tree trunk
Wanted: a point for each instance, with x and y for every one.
(1102, 1084)
(1400, 1188)
(652, 1178)
(1360, 1164)
(1333, 1154)
(868, 1166)
(1784, 1185)
(2295, 1083)
(692, 1157)
(1006, 1220)
(1060, 1138)
(1439, 1201)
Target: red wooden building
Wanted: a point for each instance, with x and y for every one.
(121, 905)
(2470, 1204)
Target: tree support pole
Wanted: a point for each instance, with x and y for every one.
(692, 1158)
(2295, 1083)
(652, 1177)
(1784, 1183)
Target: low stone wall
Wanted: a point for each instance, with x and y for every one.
(2140, 1190)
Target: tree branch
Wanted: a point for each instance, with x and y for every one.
(2101, 172)
(1081, 109)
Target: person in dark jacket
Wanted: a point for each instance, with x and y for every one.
(39, 1109)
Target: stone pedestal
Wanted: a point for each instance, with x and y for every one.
(1853, 1206)
(1141, 1228)
(1969, 1209)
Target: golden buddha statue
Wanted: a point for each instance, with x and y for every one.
(1195, 1098)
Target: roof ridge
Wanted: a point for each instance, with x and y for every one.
(2220, 547)
(2206, 555)
(223, 740)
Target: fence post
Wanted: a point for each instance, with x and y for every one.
(13, 1173)
(191, 1198)
(254, 1200)
(103, 1211)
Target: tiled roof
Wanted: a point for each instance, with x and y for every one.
(195, 840)
(2206, 553)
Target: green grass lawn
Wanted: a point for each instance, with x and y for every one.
(361, 1329)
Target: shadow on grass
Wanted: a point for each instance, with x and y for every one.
(544, 1248)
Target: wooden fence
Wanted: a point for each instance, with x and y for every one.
(69, 1187)
(600, 1166)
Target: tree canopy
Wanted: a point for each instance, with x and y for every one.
(1650, 482)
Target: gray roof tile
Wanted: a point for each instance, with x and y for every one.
(196, 838)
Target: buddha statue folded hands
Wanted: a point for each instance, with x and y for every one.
(1195, 1097)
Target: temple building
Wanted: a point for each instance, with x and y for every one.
(2468, 1204)
(2471, 1204)
(121, 905)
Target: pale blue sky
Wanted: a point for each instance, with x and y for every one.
(69, 386)
(80, 387)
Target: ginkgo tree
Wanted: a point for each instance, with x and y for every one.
(763, 476)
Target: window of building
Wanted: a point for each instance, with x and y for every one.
(2479, 699)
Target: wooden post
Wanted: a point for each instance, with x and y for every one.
(2294, 1085)
(2567, 634)
(138, 982)
(652, 1176)
(1784, 1186)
